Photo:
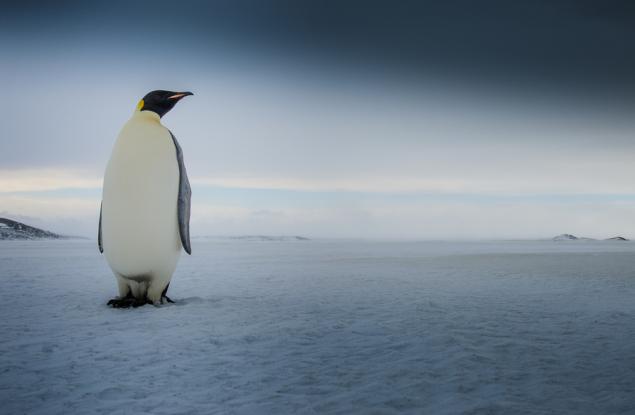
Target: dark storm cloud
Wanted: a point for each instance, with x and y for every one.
(327, 99)
(587, 44)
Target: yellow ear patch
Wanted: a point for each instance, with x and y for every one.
(140, 105)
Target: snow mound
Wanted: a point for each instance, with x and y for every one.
(565, 237)
(617, 238)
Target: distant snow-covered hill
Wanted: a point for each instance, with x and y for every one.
(259, 238)
(569, 237)
(565, 237)
(12, 230)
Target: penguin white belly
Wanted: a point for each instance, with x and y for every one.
(140, 231)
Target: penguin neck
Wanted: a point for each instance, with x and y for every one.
(146, 116)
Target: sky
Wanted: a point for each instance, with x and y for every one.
(333, 119)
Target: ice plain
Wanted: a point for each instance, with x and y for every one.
(280, 327)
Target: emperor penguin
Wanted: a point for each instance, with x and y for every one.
(144, 219)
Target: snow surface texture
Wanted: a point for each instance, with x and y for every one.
(325, 327)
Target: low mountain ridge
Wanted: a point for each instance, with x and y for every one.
(565, 237)
(256, 238)
(569, 237)
(13, 230)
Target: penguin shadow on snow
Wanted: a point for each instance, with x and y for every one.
(140, 299)
(131, 302)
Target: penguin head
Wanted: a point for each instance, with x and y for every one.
(161, 101)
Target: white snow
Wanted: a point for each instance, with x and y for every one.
(325, 327)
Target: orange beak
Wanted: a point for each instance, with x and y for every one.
(180, 95)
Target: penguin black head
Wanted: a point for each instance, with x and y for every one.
(161, 101)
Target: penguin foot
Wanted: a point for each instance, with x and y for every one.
(126, 302)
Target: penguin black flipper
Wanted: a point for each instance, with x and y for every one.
(101, 245)
(184, 199)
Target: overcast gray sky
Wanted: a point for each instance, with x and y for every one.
(344, 119)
